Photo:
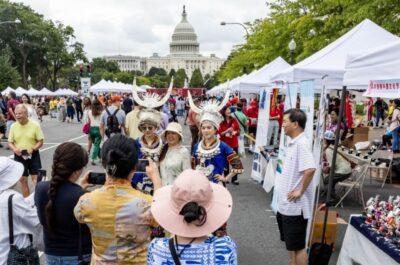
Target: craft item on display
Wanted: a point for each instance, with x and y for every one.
(383, 218)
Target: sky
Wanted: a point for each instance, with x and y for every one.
(144, 27)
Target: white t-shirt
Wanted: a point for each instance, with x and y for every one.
(298, 158)
(25, 221)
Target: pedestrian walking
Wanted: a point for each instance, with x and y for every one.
(193, 121)
(191, 209)
(94, 118)
(295, 187)
(174, 157)
(11, 104)
(78, 107)
(55, 201)
(25, 139)
(122, 225)
(112, 119)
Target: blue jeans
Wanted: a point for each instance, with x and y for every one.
(65, 260)
(379, 115)
(395, 135)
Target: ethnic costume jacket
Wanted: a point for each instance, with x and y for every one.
(212, 161)
(141, 181)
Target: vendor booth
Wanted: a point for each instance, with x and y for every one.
(7, 90)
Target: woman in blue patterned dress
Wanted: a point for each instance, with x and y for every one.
(191, 209)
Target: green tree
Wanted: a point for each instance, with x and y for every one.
(197, 79)
(172, 72)
(124, 77)
(156, 71)
(101, 63)
(9, 76)
(179, 78)
(142, 80)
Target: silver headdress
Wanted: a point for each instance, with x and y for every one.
(150, 101)
(209, 110)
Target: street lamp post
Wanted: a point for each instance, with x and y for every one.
(292, 48)
(17, 21)
(223, 23)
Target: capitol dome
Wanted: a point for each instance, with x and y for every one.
(184, 39)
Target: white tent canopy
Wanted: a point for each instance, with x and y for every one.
(331, 60)
(33, 92)
(222, 87)
(104, 86)
(19, 91)
(382, 63)
(65, 92)
(7, 90)
(261, 78)
(45, 92)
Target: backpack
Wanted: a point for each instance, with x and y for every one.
(112, 123)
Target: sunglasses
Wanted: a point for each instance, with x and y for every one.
(147, 128)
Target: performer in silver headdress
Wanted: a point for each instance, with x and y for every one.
(211, 156)
(149, 145)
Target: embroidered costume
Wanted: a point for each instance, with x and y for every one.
(151, 117)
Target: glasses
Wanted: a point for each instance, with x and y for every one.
(147, 128)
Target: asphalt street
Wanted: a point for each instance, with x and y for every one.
(252, 224)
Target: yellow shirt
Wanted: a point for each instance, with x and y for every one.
(120, 223)
(25, 136)
(391, 109)
(132, 124)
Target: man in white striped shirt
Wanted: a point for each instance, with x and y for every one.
(295, 192)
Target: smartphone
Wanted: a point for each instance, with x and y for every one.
(142, 164)
(41, 174)
(24, 152)
(97, 178)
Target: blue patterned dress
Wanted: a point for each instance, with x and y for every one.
(213, 251)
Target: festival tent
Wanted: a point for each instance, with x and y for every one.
(45, 92)
(330, 61)
(222, 87)
(7, 90)
(19, 91)
(65, 92)
(33, 92)
(260, 78)
(104, 86)
(381, 63)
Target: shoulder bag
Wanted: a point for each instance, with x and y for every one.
(19, 256)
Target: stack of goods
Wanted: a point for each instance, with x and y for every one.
(383, 217)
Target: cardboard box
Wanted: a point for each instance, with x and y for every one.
(360, 134)
(330, 233)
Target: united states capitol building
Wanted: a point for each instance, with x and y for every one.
(183, 54)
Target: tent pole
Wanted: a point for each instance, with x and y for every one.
(333, 164)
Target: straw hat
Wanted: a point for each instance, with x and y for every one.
(191, 186)
(10, 172)
(173, 127)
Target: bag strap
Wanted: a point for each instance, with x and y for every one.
(173, 251)
(108, 112)
(10, 220)
(80, 256)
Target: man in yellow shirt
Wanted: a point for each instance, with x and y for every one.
(25, 139)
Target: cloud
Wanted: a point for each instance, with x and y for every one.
(142, 27)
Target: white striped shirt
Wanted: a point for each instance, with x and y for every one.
(298, 158)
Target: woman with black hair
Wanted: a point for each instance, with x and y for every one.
(118, 216)
(55, 201)
(32, 114)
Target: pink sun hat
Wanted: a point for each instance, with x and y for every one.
(191, 186)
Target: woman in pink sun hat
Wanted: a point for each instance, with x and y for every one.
(192, 209)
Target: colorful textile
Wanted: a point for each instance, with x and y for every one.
(120, 223)
(215, 160)
(213, 251)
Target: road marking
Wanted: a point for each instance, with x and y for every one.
(55, 144)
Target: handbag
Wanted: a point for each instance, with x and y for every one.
(19, 256)
(86, 128)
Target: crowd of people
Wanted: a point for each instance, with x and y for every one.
(175, 208)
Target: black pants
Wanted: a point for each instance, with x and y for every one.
(194, 131)
(79, 114)
(336, 178)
